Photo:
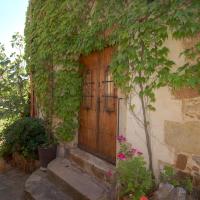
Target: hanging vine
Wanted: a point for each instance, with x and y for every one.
(58, 32)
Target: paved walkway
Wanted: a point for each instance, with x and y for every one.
(12, 184)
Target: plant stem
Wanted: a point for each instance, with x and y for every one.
(148, 139)
(146, 130)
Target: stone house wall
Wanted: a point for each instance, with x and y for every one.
(174, 126)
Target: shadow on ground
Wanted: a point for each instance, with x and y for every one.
(12, 184)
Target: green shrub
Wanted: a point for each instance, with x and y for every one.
(169, 175)
(23, 136)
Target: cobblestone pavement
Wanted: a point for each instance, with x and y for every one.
(12, 184)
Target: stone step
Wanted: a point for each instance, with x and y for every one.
(92, 165)
(39, 187)
(78, 184)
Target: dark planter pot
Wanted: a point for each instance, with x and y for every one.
(46, 155)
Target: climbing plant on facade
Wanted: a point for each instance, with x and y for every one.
(58, 32)
(141, 64)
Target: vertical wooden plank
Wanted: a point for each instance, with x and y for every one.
(108, 117)
(88, 116)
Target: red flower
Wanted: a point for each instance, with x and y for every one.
(143, 198)
(121, 156)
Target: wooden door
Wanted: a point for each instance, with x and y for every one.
(98, 113)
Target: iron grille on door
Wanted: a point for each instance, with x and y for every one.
(109, 92)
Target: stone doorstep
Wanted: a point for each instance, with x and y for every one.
(39, 187)
(92, 165)
(76, 183)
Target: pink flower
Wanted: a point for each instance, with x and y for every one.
(139, 153)
(143, 198)
(109, 173)
(136, 152)
(121, 156)
(121, 139)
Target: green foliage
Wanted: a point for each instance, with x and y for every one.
(13, 80)
(142, 57)
(51, 29)
(23, 136)
(58, 32)
(169, 175)
(134, 178)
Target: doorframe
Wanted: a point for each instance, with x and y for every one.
(116, 132)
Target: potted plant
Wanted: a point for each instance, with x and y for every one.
(47, 151)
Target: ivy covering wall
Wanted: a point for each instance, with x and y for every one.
(58, 32)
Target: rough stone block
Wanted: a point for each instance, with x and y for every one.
(168, 192)
(93, 165)
(191, 109)
(164, 190)
(195, 195)
(196, 180)
(75, 182)
(77, 160)
(196, 159)
(189, 169)
(185, 93)
(196, 169)
(62, 152)
(39, 187)
(184, 137)
(181, 161)
(180, 175)
(177, 194)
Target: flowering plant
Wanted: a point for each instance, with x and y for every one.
(134, 178)
(126, 151)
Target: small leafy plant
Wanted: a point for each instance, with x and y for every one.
(134, 178)
(169, 175)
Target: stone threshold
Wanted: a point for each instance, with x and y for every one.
(92, 165)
